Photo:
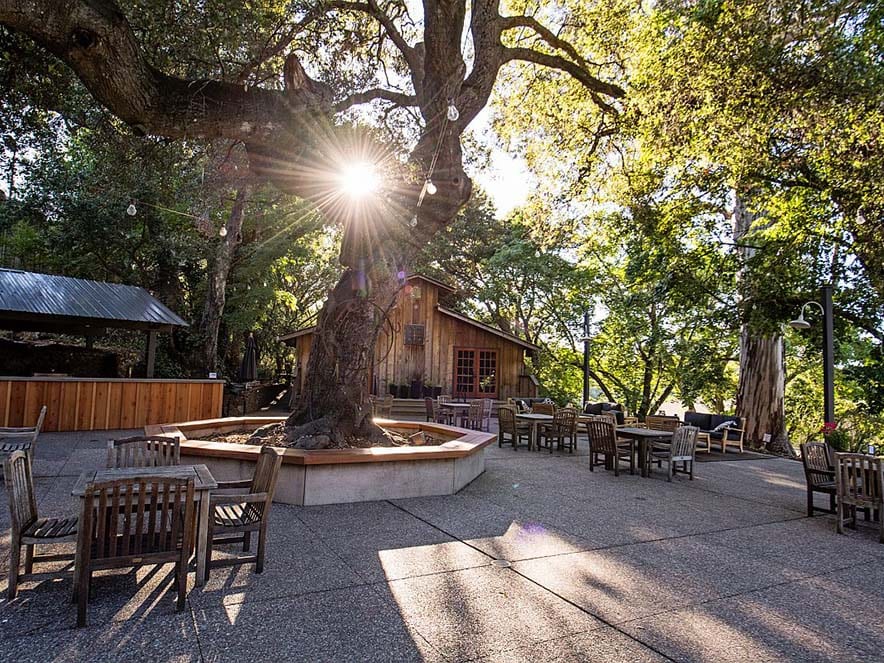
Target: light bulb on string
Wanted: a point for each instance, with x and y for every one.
(431, 188)
(223, 231)
(131, 211)
(537, 253)
(413, 222)
(452, 113)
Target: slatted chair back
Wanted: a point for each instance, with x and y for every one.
(610, 418)
(506, 416)
(564, 422)
(815, 458)
(263, 483)
(858, 479)
(443, 399)
(126, 522)
(487, 411)
(474, 414)
(150, 451)
(20, 487)
(544, 408)
(669, 424)
(602, 438)
(684, 443)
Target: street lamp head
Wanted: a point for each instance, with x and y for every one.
(800, 323)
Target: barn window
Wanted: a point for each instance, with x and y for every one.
(475, 373)
(414, 334)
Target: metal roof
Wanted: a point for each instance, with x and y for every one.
(42, 301)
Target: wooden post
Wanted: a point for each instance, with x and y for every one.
(151, 355)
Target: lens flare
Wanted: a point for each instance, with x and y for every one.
(359, 179)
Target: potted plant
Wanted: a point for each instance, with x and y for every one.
(417, 385)
(437, 390)
(394, 389)
(404, 390)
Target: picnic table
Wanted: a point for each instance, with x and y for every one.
(203, 484)
(644, 436)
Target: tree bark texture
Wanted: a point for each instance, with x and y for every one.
(216, 294)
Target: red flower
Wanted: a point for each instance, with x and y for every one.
(829, 427)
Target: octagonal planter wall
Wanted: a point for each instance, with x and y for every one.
(333, 476)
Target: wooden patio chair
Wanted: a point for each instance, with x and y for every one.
(440, 416)
(603, 440)
(234, 516)
(131, 522)
(544, 408)
(509, 425)
(143, 451)
(22, 438)
(562, 430)
(28, 529)
(487, 411)
(682, 448)
(669, 424)
(473, 417)
(858, 480)
(819, 475)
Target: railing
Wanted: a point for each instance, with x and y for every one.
(80, 404)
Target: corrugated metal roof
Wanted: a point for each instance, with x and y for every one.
(35, 296)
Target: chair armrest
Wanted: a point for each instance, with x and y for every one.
(16, 434)
(6, 430)
(727, 431)
(216, 500)
(241, 483)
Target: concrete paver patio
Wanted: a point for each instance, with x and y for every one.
(722, 568)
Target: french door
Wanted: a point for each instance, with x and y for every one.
(475, 373)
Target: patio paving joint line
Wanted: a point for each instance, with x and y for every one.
(547, 589)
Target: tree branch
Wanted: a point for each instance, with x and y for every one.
(547, 35)
(562, 64)
(372, 9)
(398, 98)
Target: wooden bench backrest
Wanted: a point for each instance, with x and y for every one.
(20, 486)
(150, 451)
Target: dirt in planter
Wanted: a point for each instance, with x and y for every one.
(244, 436)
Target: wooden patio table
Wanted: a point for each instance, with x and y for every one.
(203, 484)
(535, 420)
(644, 436)
(457, 410)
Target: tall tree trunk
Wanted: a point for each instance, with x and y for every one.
(761, 392)
(216, 293)
(762, 385)
(333, 410)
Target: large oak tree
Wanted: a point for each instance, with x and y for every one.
(451, 55)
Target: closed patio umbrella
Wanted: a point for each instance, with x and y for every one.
(248, 370)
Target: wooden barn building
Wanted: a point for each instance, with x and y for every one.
(430, 349)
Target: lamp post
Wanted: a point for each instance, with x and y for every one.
(585, 340)
(828, 348)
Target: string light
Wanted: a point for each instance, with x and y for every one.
(223, 231)
(131, 211)
(413, 222)
(453, 113)
(431, 188)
